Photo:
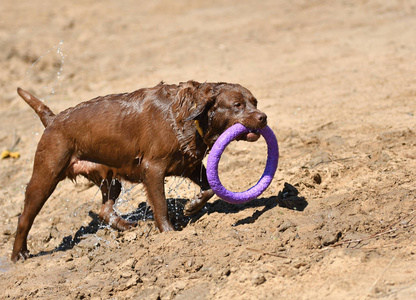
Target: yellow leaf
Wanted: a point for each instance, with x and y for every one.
(6, 154)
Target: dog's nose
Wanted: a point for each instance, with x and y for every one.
(262, 118)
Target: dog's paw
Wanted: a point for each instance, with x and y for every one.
(123, 225)
(196, 204)
(21, 255)
(188, 210)
(192, 207)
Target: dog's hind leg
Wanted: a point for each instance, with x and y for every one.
(199, 176)
(110, 190)
(51, 160)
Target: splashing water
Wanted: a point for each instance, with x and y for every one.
(33, 75)
(132, 203)
(47, 70)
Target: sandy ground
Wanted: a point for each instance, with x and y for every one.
(337, 80)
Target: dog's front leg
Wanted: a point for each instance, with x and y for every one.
(199, 176)
(154, 184)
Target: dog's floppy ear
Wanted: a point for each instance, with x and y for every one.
(202, 98)
(196, 112)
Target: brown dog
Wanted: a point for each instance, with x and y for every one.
(142, 136)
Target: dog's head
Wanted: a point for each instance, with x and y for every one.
(221, 105)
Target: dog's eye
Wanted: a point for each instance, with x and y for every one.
(238, 104)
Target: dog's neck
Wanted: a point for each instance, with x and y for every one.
(191, 139)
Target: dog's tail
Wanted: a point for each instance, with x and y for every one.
(44, 112)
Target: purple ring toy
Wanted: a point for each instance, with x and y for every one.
(214, 158)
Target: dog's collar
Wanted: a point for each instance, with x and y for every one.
(199, 129)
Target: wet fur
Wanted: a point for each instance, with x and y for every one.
(142, 136)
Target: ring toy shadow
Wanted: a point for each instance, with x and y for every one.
(287, 198)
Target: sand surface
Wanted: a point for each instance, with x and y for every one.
(337, 80)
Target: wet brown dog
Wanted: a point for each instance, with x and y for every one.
(142, 136)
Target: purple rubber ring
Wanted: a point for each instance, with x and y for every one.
(214, 158)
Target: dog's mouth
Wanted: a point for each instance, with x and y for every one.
(251, 136)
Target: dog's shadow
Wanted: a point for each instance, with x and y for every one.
(287, 198)
(69, 242)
